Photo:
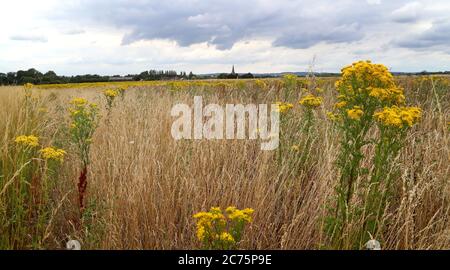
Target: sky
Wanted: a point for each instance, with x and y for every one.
(261, 36)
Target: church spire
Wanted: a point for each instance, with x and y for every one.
(232, 71)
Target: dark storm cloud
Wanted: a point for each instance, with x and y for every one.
(292, 24)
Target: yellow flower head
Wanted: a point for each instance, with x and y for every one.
(79, 102)
(340, 104)
(111, 93)
(332, 116)
(227, 238)
(244, 215)
(399, 116)
(201, 233)
(284, 107)
(366, 78)
(290, 77)
(30, 141)
(355, 113)
(53, 153)
(392, 94)
(311, 101)
(261, 84)
(213, 228)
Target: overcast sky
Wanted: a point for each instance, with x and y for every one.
(120, 37)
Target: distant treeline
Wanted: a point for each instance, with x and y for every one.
(423, 73)
(36, 77)
(235, 76)
(50, 77)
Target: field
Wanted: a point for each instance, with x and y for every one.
(144, 187)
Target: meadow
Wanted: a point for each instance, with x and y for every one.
(142, 188)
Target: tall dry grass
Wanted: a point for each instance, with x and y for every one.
(144, 187)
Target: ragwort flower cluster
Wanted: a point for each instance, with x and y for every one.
(216, 230)
(368, 94)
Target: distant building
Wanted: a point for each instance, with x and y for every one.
(232, 75)
(120, 79)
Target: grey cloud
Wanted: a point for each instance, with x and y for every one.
(31, 38)
(408, 13)
(437, 35)
(341, 34)
(292, 24)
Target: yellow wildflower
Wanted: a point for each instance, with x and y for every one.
(378, 82)
(399, 116)
(201, 232)
(111, 93)
(230, 209)
(355, 113)
(332, 116)
(261, 84)
(226, 237)
(74, 112)
(340, 105)
(379, 93)
(30, 141)
(311, 101)
(79, 102)
(393, 94)
(215, 230)
(284, 107)
(295, 148)
(53, 153)
(121, 89)
(240, 215)
(290, 77)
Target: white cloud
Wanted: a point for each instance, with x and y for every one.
(408, 13)
(32, 38)
(374, 2)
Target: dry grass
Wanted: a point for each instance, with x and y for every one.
(144, 187)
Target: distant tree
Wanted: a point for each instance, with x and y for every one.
(3, 79)
(222, 76)
(29, 76)
(51, 73)
(27, 79)
(50, 77)
(247, 76)
(12, 78)
(232, 76)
